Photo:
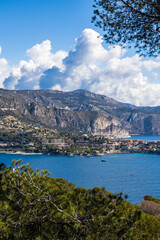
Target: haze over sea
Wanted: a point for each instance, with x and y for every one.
(132, 174)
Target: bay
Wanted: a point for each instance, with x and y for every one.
(145, 137)
(132, 174)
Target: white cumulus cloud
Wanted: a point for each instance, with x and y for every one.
(4, 69)
(89, 66)
(27, 74)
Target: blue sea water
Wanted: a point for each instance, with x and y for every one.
(145, 137)
(132, 174)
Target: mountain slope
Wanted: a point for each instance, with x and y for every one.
(80, 111)
(67, 111)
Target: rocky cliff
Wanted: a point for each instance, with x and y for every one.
(68, 111)
(80, 111)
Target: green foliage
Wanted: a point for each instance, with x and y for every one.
(34, 206)
(150, 198)
(132, 22)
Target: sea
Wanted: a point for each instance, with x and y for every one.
(145, 137)
(133, 174)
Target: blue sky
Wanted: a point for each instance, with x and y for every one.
(23, 23)
(53, 44)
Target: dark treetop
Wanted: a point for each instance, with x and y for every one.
(128, 21)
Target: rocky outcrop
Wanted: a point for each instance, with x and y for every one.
(90, 122)
(142, 123)
(109, 127)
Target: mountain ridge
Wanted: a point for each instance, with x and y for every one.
(80, 111)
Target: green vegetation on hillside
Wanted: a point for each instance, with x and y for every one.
(36, 206)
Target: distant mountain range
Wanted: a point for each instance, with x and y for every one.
(80, 111)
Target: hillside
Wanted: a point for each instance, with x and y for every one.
(80, 111)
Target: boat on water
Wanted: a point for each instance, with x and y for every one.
(103, 160)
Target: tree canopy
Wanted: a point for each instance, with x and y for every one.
(132, 22)
(34, 206)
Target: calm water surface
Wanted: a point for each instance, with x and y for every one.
(145, 137)
(132, 174)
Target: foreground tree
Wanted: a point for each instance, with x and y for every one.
(135, 22)
(34, 206)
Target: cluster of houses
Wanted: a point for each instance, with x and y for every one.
(134, 146)
(38, 138)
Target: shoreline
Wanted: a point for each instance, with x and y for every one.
(72, 155)
(20, 153)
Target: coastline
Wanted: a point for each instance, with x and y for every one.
(20, 153)
(86, 155)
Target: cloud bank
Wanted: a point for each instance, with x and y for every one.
(88, 66)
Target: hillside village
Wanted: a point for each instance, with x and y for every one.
(19, 137)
